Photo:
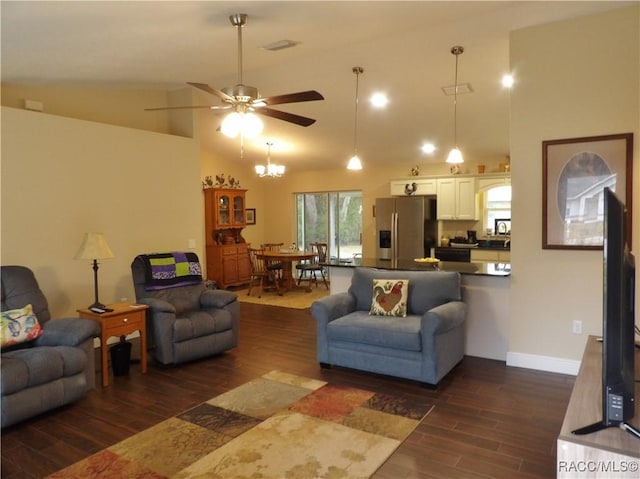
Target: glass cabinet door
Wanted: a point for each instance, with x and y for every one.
(238, 210)
(224, 218)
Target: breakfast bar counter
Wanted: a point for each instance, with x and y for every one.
(478, 268)
(485, 289)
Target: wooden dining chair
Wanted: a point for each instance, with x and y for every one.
(309, 271)
(273, 266)
(259, 274)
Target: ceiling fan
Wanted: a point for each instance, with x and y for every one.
(246, 99)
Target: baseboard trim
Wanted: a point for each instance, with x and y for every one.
(543, 363)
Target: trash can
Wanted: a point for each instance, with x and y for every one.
(120, 357)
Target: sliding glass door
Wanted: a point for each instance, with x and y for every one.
(332, 217)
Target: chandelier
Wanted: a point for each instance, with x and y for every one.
(270, 170)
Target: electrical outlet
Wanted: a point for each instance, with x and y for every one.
(191, 244)
(577, 326)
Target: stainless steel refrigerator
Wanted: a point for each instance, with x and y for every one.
(406, 227)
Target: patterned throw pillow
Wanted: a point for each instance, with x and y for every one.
(19, 326)
(390, 297)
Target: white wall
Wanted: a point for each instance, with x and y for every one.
(574, 78)
(62, 177)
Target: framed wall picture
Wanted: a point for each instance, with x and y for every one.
(575, 172)
(250, 216)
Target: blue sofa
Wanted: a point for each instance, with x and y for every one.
(423, 346)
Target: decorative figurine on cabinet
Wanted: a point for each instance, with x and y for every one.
(410, 189)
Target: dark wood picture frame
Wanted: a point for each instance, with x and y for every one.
(575, 172)
(250, 216)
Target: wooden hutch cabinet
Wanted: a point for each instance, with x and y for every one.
(227, 258)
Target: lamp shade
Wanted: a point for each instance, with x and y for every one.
(455, 156)
(94, 246)
(354, 163)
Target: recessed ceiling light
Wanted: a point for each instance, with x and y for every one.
(428, 148)
(507, 81)
(379, 100)
(279, 45)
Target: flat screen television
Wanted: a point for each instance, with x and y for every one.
(618, 329)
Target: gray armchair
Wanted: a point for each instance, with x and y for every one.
(186, 319)
(56, 368)
(424, 345)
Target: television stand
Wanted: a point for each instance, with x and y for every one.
(597, 445)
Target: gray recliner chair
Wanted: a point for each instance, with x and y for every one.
(56, 368)
(186, 319)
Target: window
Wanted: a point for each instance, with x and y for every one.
(497, 205)
(334, 218)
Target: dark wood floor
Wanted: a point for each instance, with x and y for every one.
(489, 421)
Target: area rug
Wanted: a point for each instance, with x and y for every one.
(277, 426)
(297, 298)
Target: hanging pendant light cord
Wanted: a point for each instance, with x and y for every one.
(357, 71)
(455, 105)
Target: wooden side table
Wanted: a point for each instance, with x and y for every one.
(124, 319)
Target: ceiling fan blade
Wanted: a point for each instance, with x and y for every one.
(210, 107)
(309, 95)
(283, 115)
(213, 91)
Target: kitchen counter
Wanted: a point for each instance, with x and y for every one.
(480, 268)
(485, 244)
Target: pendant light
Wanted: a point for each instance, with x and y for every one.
(271, 170)
(455, 156)
(354, 162)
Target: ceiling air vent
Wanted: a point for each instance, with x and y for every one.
(462, 88)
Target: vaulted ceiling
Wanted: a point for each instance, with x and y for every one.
(403, 47)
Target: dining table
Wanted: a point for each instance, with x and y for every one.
(287, 257)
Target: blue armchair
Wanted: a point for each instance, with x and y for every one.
(424, 345)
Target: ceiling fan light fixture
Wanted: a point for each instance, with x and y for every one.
(246, 124)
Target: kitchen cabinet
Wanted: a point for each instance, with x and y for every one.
(495, 255)
(423, 186)
(457, 199)
(226, 250)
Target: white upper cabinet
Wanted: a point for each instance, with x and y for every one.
(457, 199)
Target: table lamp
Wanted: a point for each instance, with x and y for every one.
(94, 247)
